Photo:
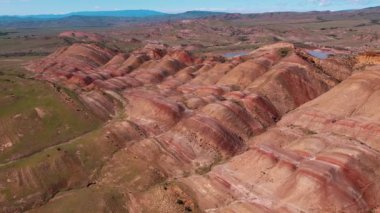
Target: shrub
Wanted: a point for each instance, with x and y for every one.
(284, 52)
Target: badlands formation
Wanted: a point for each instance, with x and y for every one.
(276, 130)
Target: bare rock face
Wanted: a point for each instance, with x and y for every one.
(369, 58)
(323, 157)
(200, 134)
(339, 68)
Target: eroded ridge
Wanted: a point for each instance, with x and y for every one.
(188, 133)
(322, 157)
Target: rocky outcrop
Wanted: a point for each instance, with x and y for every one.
(339, 67)
(369, 58)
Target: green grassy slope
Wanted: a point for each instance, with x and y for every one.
(35, 115)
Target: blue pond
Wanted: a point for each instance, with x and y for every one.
(319, 54)
(235, 54)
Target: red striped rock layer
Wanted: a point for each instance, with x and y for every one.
(196, 113)
(216, 124)
(322, 157)
(194, 123)
(90, 67)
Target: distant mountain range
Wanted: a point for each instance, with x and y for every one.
(120, 17)
(116, 13)
(96, 18)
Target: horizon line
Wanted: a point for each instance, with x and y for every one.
(184, 11)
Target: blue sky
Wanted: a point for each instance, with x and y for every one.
(26, 7)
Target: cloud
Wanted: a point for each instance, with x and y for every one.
(212, 9)
(323, 3)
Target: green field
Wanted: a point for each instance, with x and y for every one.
(34, 114)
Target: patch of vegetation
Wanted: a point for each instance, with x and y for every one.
(74, 160)
(86, 200)
(180, 202)
(310, 132)
(321, 19)
(243, 38)
(35, 115)
(375, 21)
(70, 40)
(360, 25)
(6, 33)
(23, 54)
(283, 52)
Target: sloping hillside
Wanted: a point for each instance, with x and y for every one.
(274, 130)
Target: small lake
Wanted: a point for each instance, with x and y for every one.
(235, 54)
(319, 54)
